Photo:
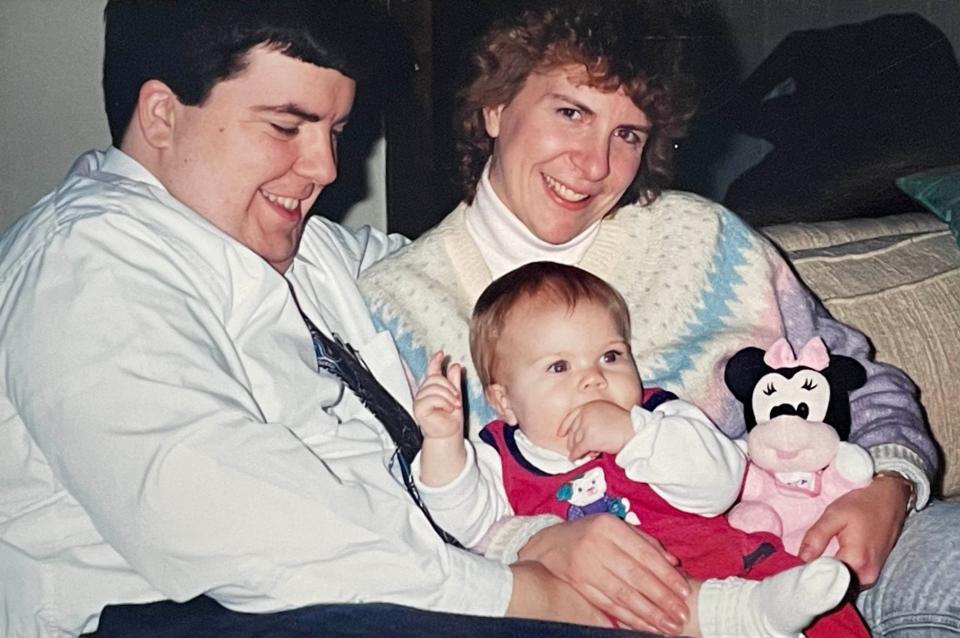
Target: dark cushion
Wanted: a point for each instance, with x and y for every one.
(848, 110)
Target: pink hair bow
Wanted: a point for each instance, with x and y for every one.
(813, 355)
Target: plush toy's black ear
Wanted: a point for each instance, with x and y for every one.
(742, 372)
(846, 373)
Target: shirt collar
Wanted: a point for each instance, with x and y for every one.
(543, 459)
(119, 163)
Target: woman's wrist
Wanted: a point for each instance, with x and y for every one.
(898, 459)
(907, 485)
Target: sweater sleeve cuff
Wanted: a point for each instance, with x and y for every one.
(892, 457)
(508, 536)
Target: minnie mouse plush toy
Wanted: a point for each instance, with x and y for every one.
(797, 414)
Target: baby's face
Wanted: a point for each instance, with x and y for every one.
(551, 360)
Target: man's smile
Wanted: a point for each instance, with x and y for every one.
(289, 203)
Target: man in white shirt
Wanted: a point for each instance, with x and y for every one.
(164, 431)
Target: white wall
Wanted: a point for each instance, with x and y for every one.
(51, 104)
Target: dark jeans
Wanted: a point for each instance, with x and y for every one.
(204, 617)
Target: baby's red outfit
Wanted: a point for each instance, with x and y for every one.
(706, 547)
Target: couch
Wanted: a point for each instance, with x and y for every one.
(896, 279)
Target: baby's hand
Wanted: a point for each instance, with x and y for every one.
(438, 407)
(598, 426)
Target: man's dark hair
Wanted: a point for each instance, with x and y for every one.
(191, 45)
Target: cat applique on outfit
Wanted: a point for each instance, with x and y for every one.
(587, 494)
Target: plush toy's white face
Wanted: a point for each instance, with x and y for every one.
(589, 487)
(788, 443)
(806, 394)
(790, 435)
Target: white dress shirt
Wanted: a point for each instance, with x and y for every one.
(164, 431)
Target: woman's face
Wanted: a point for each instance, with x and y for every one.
(564, 152)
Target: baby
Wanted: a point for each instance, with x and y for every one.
(579, 434)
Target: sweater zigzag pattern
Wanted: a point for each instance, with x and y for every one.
(700, 285)
(681, 263)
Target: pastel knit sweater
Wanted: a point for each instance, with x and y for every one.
(700, 285)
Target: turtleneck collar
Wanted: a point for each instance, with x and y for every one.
(506, 243)
(543, 459)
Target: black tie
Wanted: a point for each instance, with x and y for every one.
(341, 360)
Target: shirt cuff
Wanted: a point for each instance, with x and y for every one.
(892, 457)
(473, 574)
(508, 536)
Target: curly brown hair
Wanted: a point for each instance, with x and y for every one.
(624, 44)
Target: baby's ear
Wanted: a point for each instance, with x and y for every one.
(497, 397)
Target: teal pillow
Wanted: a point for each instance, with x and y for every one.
(939, 190)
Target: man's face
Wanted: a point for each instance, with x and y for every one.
(551, 359)
(255, 155)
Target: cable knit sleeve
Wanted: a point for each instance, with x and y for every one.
(886, 418)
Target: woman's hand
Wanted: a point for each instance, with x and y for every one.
(539, 594)
(867, 523)
(621, 570)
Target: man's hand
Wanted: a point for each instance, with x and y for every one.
(438, 406)
(598, 426)
(622, 571)
(867, 523)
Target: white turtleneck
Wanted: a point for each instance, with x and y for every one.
(507, 243)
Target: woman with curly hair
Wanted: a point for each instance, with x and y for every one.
(567, 129)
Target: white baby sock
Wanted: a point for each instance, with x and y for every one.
(779, 606)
